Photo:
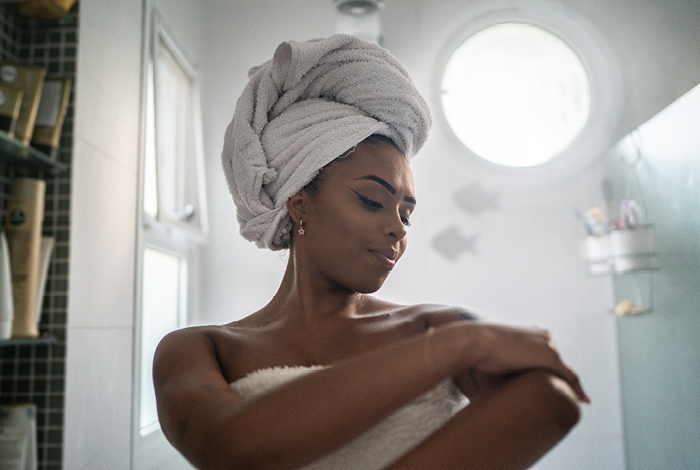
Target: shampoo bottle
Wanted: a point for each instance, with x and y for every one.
(6, 307)
(25, 214)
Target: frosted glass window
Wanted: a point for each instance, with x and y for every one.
(174, 129)
(163, 305)
(174, 160)
(515, 94)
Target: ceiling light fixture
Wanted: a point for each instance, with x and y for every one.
(360, 18)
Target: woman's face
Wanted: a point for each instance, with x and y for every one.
(356, 225)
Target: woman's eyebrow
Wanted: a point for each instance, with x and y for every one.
(379, 180)
(386, 184)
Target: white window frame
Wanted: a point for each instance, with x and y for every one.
(162, 43)
(163, 232)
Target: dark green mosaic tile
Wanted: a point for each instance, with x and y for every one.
(23, 368)
(54, 453)
(40, 367)
(22, 386)
(8, 352)
(8, 368)
(56, 418)
(41, 351)
(60, 301)
(56, 401)
(58, 367)
(56, 384)
(40, 385)
(55, 436)
(25, 352)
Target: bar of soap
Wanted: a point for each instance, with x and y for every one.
(626, 307)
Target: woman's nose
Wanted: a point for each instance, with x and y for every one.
(396, 228)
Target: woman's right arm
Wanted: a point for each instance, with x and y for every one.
(309, 417)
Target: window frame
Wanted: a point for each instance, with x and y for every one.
(152, 450)
(161, 40)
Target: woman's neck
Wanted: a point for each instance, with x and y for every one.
(305, 295)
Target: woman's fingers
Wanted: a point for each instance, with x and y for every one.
(561, 369)
(521, 349)
(575, 384)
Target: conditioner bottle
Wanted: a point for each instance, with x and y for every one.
(25, 214)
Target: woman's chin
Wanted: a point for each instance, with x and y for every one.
(370, 287)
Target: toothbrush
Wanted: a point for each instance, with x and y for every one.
(584, 222)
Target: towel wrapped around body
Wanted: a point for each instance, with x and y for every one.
(388, 440)
(311, 103)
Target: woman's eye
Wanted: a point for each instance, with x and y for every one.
(374, 206)
(370, 203)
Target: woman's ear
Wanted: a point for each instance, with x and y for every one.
(296, 205)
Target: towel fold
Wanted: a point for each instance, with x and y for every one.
(382, 444)
(301, 110)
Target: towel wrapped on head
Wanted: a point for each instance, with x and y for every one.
(301, 110)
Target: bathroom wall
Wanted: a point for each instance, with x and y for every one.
(104, 181)
(520, 261)
(659, 166)
(524, 266)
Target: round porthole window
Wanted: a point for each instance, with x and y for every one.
(515, 94)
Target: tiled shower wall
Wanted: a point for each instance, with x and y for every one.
(35, 373)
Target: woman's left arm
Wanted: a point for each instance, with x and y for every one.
(474, 384)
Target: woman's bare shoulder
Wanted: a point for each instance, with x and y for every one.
(234, 331)
(221, 347)
(202, 333)
(430, 314)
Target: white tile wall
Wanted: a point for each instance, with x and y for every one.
(104, 200)
(109, 80)
(103, 233)
(98, 399)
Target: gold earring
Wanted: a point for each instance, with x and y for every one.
(301, 227)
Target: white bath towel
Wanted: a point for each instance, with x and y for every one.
(388, 440)
(311, 103)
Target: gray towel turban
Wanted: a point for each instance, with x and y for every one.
(311, 103)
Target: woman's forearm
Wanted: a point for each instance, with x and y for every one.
(510, 428)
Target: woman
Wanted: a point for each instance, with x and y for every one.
(325, 375)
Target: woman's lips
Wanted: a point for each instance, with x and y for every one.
(386, 257)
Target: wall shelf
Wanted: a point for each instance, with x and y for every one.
(24, 341)
(19, 155)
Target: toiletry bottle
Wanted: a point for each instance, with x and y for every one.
(25, 214)
(30, 79)
(10, 104)
(6, 307)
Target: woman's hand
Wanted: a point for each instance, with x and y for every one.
(495, 352)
